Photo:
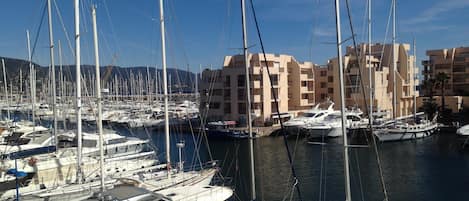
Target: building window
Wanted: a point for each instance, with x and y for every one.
(304, 83)
(304, 96)
(323, 96)
(241, 80)
(242, 108)
(273, 107)
(257, 77)
(274, 79)
(330, 79)
(354, 79)
(227, 108)
(227, 94)
(323, 85)
(217, 92)
(323, 73)
(241, 94)
(214, 105)
(227, 81)
(274, 92)
(330, 90)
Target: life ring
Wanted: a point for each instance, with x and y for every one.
(32, 161)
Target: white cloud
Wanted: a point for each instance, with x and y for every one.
(436, 10)
(321, 32)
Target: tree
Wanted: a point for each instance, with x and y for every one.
(429, 106)
(441, 80)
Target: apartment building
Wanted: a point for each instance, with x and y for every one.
(223, 91)
(357, 84)
(455, 63)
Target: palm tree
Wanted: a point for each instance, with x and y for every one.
(441, 80)
(429, 106)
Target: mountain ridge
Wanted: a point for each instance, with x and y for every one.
(181, 80)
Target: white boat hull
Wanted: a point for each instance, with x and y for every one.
(463, 130)
(325, 131)
(386, 135)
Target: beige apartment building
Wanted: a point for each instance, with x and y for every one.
(223, 94)
(357, 85)
(455, 63)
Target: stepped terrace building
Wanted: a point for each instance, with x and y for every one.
(223, 91)
(454, 62)
(357, 87)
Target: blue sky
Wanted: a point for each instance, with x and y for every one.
(202, 32)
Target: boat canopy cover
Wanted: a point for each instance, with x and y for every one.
(29, 152)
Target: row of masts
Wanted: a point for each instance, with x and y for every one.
(137, 85)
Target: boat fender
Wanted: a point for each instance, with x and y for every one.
(32, 161)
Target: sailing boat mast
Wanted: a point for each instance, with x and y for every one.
(62, 90)
(149, 98)
(248, 101)
(413, 80)
(21, 86)
(394, 65)
(98, 97)
(370, 70)
(157, 97)
(165, 88)
(78, 89)
(32, 79)
(52, 64)
(6, 88)
(348, 194)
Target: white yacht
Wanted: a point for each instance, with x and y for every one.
(46, 171)
(406, 129)
(45, 166)
(299, 124)
(23, 133)
(463, 130)
(331, 126)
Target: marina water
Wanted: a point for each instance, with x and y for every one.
(431, 169)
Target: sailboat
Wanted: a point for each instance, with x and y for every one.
(175, 184)
(179, 186)
(403, 129)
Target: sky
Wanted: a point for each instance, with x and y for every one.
(202, 32)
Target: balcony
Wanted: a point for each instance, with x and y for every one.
(257, 98)
(256, 84)
(306, 102)
(306, 77)
(427, 71)
(257, 112)
(460, 80)
(459, 70)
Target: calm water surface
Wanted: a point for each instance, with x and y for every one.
(431, 169)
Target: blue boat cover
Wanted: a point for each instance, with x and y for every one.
(30, 152)
(18, 174)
